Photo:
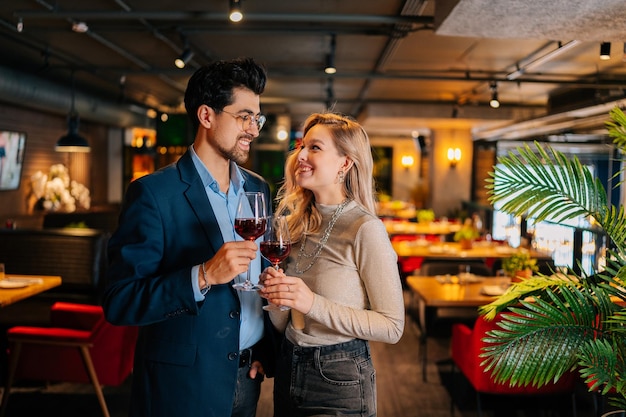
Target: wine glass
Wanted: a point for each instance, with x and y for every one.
(275, 247)
(250, 221)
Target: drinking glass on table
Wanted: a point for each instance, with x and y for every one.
(503, 280)
(250, 222)
(275, 247)
(464, 273)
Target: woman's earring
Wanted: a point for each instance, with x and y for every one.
(341, 177)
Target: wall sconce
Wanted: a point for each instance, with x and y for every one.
(454, 156)
(407, 162)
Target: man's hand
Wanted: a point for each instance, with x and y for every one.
(231, 259)
(256, 370)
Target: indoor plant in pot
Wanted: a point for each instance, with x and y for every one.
(519, 266)
(466, 235)
(576, 322)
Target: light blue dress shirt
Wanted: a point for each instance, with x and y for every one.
(225, 206)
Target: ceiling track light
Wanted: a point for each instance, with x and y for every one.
(605, 51)
(330, 57)
(494, 102)
(184, 58)
(235, 14)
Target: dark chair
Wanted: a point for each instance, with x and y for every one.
(80, 346)
(467, 345)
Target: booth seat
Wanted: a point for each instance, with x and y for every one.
(78, 255)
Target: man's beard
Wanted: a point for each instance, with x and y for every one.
(235, 154)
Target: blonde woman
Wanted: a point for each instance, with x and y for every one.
(341, 280)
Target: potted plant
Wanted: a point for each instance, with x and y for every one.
(519, 266)
(576, 322)
(425, 215)
(466, 234)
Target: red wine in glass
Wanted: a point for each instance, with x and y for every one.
(276, 252)
(275, 247)
(250, 222)
(250, 229)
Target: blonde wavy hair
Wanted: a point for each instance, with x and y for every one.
(351, 140)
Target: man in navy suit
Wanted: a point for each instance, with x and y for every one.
(203, 347)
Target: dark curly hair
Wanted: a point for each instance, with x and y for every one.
(213, 84)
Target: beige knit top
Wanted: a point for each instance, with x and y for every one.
(358, 294)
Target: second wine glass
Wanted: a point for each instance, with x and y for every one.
(276, 246)
(250, 223)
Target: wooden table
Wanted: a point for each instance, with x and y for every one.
(40, 284)
(433, 293)
(395, 227)
(453, 251)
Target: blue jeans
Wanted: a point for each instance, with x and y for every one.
(246, 394)
(335, 380)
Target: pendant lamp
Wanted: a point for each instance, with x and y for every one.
(72, 141)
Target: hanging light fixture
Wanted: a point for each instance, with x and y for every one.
(494, 102)
(235, 14)
(605, 51)
(184, 58)
(72, 141)
(330, 57)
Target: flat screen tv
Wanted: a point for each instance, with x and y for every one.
(12, 146)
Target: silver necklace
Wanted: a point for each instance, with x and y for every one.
(318, 249)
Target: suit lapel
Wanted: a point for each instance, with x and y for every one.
(198, 200)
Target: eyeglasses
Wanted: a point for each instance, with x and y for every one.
(247, 120)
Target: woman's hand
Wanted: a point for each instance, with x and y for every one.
(286, 290)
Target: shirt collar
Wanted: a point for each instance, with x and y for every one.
(236, 178)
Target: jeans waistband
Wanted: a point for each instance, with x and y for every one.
(354, 347)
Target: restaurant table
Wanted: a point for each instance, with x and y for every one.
(18, 287)
(452, 250)
(395, 227)
(446, 292)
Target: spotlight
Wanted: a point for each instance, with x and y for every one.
(235, 11)
(330, 65)
(605, 51)
(184, 59)
(330, 57)
(494, 102)
(80, 27)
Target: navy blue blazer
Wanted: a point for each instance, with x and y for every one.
(186, 359)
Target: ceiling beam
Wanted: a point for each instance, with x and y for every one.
(94, 15)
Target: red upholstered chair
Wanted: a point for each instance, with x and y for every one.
(407, 265)
(80, 346)
(467, 344)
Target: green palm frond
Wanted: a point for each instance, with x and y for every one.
(523, 290)
(617, 128)
(545, 185)
(551, 325)
(613, 223)
(538, 343)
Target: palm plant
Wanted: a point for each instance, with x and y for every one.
(554, 324)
